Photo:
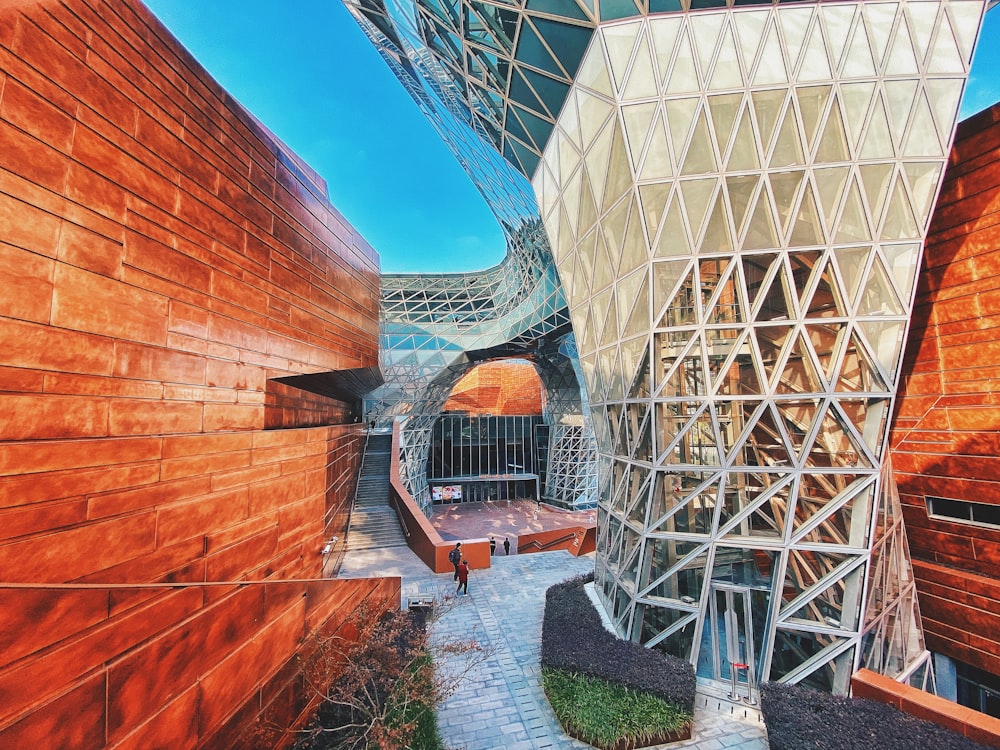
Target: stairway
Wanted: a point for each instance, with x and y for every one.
(374, 524)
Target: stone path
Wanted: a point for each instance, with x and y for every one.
(499, 703)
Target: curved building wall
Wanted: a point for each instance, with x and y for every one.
(164, 259)
(737, 201)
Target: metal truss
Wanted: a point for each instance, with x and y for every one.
(735, 199)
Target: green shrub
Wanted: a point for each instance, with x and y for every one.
(604, 714)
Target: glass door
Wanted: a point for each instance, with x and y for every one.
(727, 650)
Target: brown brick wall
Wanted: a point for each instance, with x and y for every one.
(498, 388)
(162, 259)
(946, 433)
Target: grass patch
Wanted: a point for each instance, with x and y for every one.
(605, 714)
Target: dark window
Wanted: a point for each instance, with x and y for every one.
(966, 512)
(978, 690)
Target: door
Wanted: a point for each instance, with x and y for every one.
(727, 641)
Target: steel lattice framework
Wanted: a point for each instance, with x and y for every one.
(736, 199)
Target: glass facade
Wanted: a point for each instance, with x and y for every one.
(735, 200)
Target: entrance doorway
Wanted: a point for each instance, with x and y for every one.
(728, 640)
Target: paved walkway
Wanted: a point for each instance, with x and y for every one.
(500, 704)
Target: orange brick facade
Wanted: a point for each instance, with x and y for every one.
(162, 259)
(498, 388)
(946, 433)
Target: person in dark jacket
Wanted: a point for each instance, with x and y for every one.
(463, 577)
(455, 557)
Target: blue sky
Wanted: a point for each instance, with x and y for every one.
(306, 70)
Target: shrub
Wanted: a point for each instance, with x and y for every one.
(607, 715)
(797, 717)
(575, 640)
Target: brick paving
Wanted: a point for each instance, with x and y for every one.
(499, 703)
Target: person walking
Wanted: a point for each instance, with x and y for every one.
(493, 546)
(506, 545)
(462, 571)
(455, 557)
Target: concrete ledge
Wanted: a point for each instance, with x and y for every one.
(977, 726)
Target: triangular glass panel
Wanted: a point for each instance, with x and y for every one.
(654, 204)
(856, 98)
(858, 61)
(588, 209)
(807, 229)
(945, 57)
(837, 21)
(899, 222)
(673, 238)
(684, 76)
(594, 114)
(879, 296)
(697, 201)
(740, 190)
(853, 224)
(724, 109)
(663, 32)
(826, 605)
(597, 161)
(944, 95)
(878, 139)
(880, 18)
(842, 520)
(812, 102)
(593, 73)
(705, 31)
(965, 19)
(749, 26)
(767, 107)
(614, 225)
(667, 285)
(771, 67)
(700, 157)
(619, 41)
(923, 139)
(757, 271)
(717, 237)
(858, 373)
(900, 60)
(922, 17)
(656, 163)
(727, 73)
(904, 262)
(794, 25)
(899, 98)
(769, 440)
(798, 418)
(638, 118)
(829, 187)
(787, 149)
(833, 146)
(875, 179)
(825, 299)
(634, 249)
(680, 115)
(638, 320)
(815, 65)
(760, 232)
(776, 302)
(642, 80)
(853, 264)
(786, 187)
(886, 339)
(552, 92)
(800, 373)
(744, 153)
(619, 175)
(530, 50)
(603, 270)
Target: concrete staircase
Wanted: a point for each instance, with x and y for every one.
(374, 524)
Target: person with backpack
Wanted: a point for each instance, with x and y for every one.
(455, 557)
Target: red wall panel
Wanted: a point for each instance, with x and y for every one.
(163, 258)
(946, 431)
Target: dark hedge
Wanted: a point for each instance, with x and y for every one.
(797, 717)
(574, 639)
